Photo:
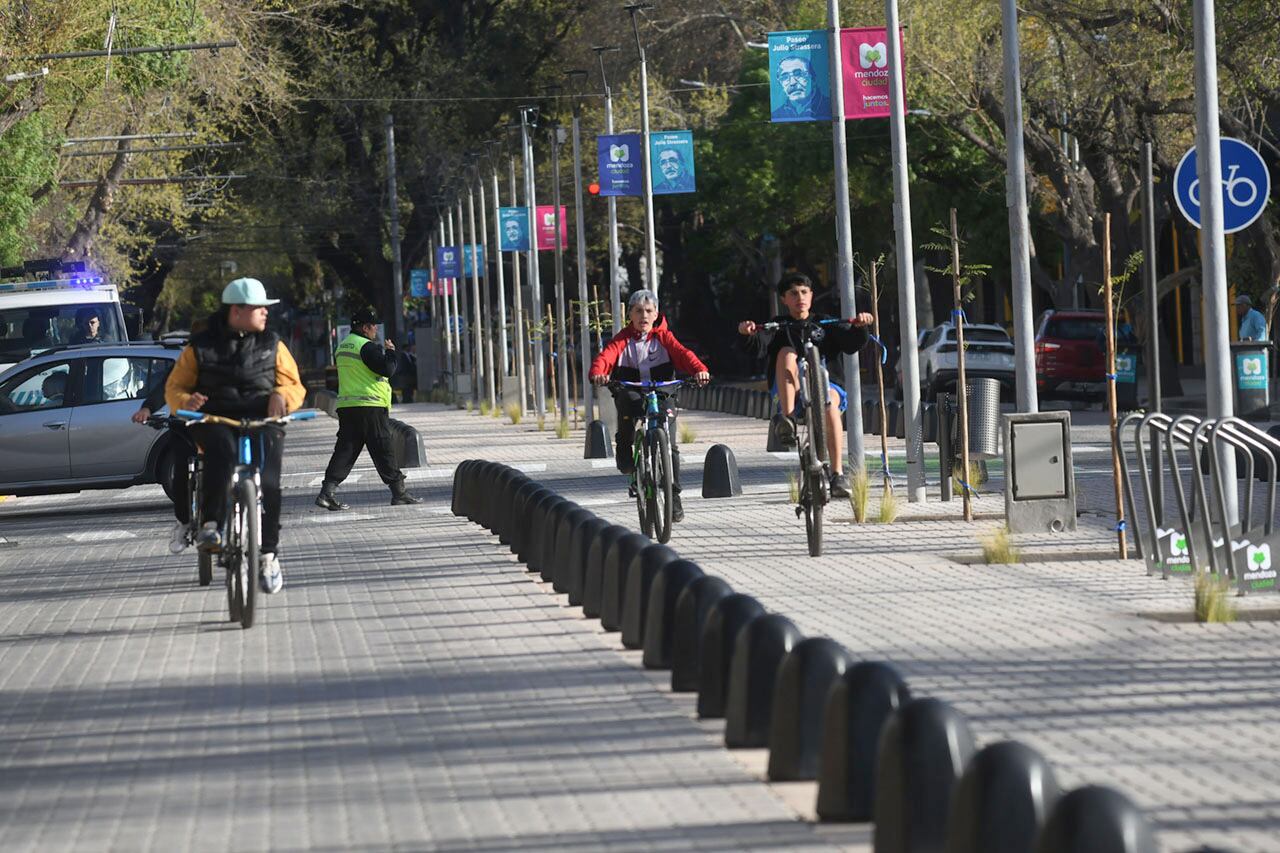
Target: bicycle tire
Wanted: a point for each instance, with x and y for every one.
(233, 599)
(245, 501)
(817, 391)
(205, 568)
(659, 449)
(813, 527)
(642, 493)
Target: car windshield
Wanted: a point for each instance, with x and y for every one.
(985, 336)
(1074, 328)
(25, 332)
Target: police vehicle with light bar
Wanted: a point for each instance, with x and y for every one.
(38, 314)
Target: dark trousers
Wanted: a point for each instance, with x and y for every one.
(630, 405)
(221, 447)
(182, 451)
(360, 427)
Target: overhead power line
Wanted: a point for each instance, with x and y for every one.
(209, 146)
(78, 140)
(131, 51)
(141, 182)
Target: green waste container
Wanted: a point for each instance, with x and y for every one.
(1250, 362)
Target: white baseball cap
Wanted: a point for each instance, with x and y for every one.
(246, 291)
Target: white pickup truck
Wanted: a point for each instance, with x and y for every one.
(39, 315)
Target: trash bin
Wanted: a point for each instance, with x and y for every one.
(1251, 361)
(984, 419)
(1127, 378)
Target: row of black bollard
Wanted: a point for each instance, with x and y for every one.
(877, 753)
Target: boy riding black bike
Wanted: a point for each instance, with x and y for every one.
(645, 351)
(780, 350)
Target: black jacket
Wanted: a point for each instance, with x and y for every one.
(237, 370)
(837, 339)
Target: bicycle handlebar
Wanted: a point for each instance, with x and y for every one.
(189, 417)
(774, 326)
(622, 383)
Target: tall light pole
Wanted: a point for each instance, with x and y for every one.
(577, 79)
(464, 300)
(844, 239)
(504, 363)
(477, 310)
(1019, 230)
(517, 293)
(459, 324)
(397, 272)
(905, 262)
(558, 135)
(444, 300)
(1217, 348)
(528, 118)
(486, 316)
(651, 243)
(615, 286)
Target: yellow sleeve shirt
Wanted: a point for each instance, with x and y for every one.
(182, 380)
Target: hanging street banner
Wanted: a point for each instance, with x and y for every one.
(448, 262)
(1246, 185)
(800, 76)
(621, 169)
(671, 159)
(419, 283)
(547, 228)
(865, 61)
(514, 225)
(466, 260)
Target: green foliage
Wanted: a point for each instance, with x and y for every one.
(1213, 599)
(860, 494)
(888, 506)
(998, 547)
(688, 435)
(515, 413)
(562, 429)
(27, 162)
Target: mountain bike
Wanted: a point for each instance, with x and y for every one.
(195, 484)
(239, 553)
(652, 481)
(811, 423)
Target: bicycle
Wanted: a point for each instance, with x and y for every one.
(239, 553)
(195, 484)
(810, 412)
(652, 479)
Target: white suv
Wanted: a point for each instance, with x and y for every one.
(988, 353)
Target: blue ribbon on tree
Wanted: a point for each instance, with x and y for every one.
(884, 350)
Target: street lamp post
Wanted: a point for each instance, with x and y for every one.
(651, 243)
(529, 116)
(444, 300)
(844, 240)
(486, 289)
(561, 346)
(459, 325)
(906, 263)
(504, 362)
(1217, 348)
(577, 79)
(477, 309)
(465, 311)
(517, 297)
(615, 295)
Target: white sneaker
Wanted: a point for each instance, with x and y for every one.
(270, 578)
(178, 538)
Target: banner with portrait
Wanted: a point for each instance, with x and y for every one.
(513, 224)
(800, 76)
(419, 283)
(671, 159)
(621, 169)
(466, 260)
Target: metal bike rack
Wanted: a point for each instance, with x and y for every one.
(1246, 554)
(1192, 544)
(1162, 543)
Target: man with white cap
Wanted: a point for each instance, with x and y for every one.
(236, 368)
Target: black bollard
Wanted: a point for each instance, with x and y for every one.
(490, 488)
(460, 487)
(558, 570)
(584, 535)
(544, 524)
(510, 486)
(518, 513)
(614, 583)
(1002, 800)
(1095, 819)
(753, 673)
(725, 620)
(593, 569)
(531, 542)
(597, 445)
(692, 608)
(720, 473)
(635, 595)
(477, 477)
(805, 677)
(659, 628)
(924, 748)
(857, 708)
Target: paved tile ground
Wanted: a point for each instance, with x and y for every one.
(413, 688)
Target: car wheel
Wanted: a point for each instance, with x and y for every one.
(165, 472)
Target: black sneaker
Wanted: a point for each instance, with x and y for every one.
(840, 485)
(677, 509)
(784, 430)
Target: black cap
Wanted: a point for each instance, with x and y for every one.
(363, 316)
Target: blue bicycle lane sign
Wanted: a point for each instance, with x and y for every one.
(1246, 186)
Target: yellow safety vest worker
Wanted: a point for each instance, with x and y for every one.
(357, 384)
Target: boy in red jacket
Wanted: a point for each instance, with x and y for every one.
(645, 351)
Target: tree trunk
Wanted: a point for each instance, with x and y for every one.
(82, 239)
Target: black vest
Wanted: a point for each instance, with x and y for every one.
(237, 371)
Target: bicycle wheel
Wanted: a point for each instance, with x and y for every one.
(659, 451)
(246, 507)
(817, 390)
(813, 527)
(205, 568)
(642, 476)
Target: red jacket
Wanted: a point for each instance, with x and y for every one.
(627, 357)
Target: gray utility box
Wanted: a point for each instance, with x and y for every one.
(1040, 483)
